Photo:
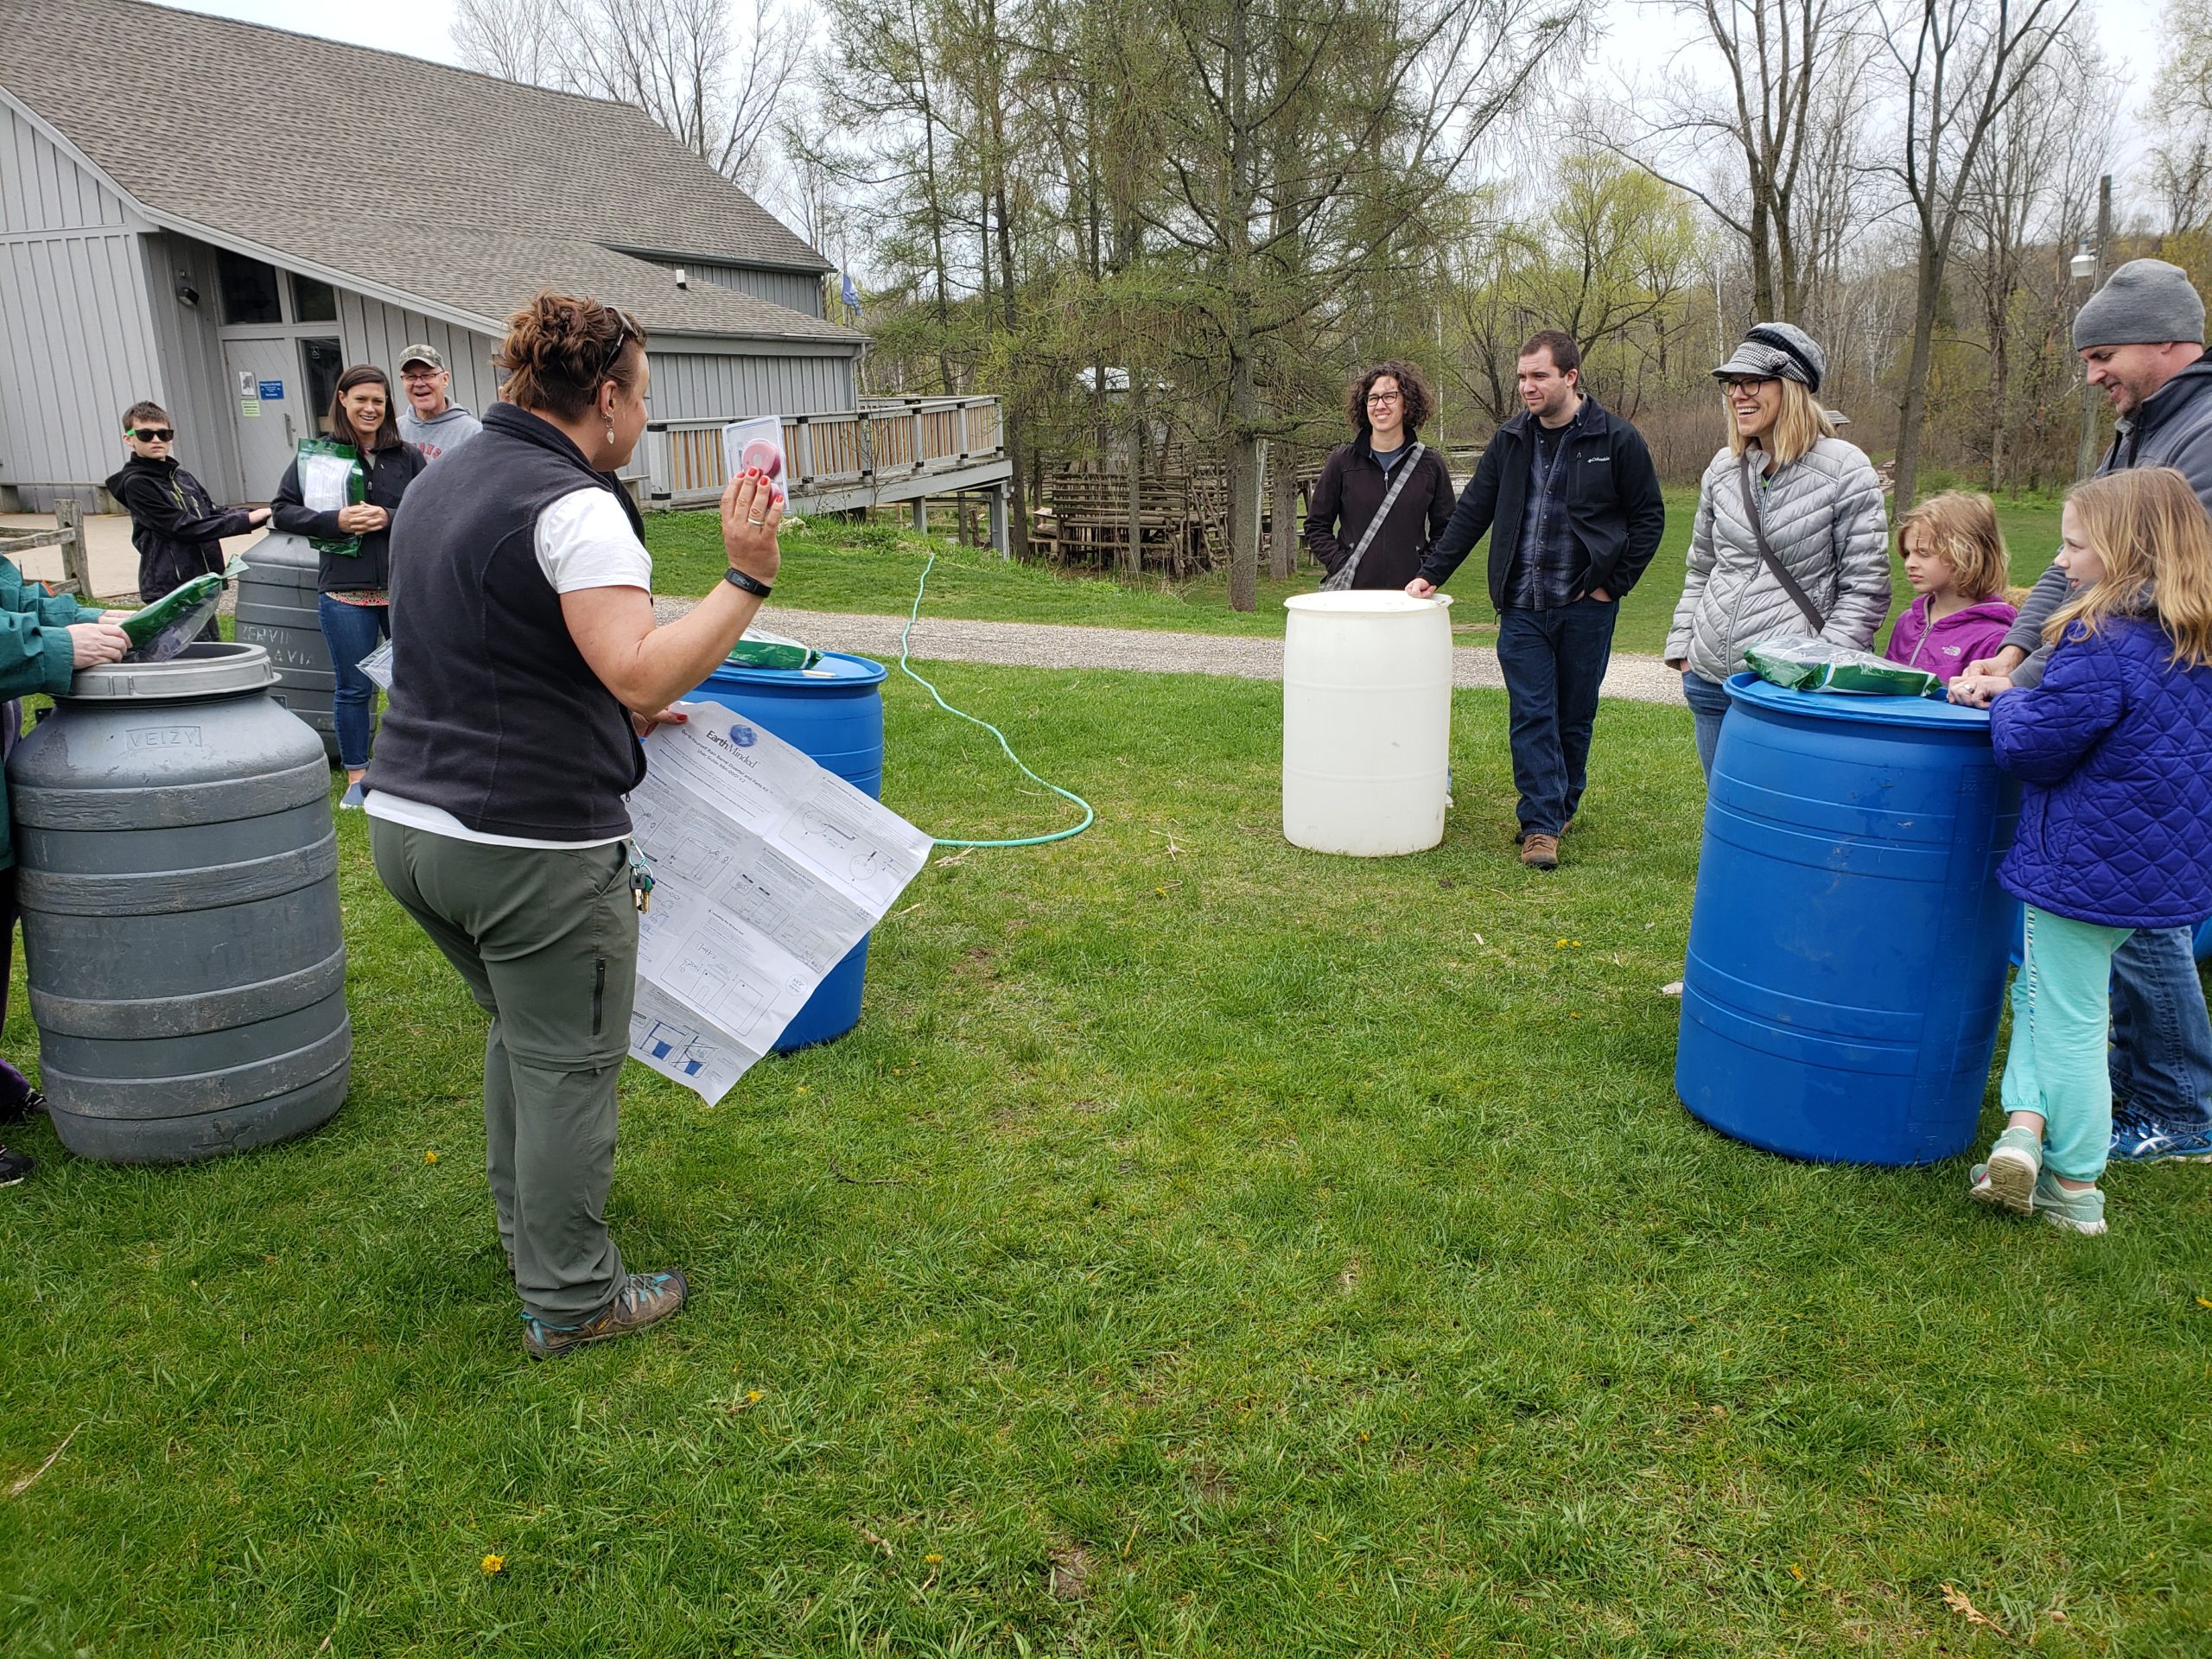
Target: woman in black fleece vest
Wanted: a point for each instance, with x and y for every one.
(526, 663)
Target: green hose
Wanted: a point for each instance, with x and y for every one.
(1089, 817)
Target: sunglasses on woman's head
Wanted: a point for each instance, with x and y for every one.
(155, 434)
(623, 336)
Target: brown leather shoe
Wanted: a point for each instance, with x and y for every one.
(1540, 852)
(644, 1299)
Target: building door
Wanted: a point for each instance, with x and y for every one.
(265, 396)
(322, 361)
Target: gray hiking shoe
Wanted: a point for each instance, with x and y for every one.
(2008, 1180)
(2078, 1213)
(644, 1298)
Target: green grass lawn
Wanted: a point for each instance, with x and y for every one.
(831, 566)
(1202, 1247)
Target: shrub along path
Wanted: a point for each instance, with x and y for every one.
(1201, 1247)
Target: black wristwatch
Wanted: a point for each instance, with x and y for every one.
(743, 583)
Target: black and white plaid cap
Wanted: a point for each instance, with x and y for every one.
(1777, 351)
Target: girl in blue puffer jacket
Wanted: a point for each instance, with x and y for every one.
(2113, 751)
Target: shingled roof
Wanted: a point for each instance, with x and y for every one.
(475, 193)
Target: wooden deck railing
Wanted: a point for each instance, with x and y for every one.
(896, 445)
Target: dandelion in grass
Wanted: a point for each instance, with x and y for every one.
(494, 1564)
(431, 1157)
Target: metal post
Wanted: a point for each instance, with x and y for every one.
(1000, 543)
(921, 515)
(2087, 457)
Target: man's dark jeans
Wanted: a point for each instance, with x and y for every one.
(1553, 662)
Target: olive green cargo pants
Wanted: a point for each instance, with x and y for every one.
(547, 941)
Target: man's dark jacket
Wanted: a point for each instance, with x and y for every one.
(2172, 427)
(175, 523)
(1609, 488)
(1352, 487)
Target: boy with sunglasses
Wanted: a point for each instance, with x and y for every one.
(175, 523)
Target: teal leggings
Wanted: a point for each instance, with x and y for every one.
(2061, 1017)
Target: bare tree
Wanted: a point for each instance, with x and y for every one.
(508, 38)
(2181, 119)
(2017, 199)
(714, 81)
(1961, 66)
(1780, 61)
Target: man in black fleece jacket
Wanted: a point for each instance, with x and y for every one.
(1568, 496)
(175, 523)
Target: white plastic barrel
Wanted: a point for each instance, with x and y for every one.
(1366, 721)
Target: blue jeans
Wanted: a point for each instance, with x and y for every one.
(352, 632)
(1708, 702)
(2161, 1036)
(1553, 662)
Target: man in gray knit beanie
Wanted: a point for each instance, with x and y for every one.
(2139, 331)
(2141, 337)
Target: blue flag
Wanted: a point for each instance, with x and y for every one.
(852, 296)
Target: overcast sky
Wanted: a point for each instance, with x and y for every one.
(2128, 28)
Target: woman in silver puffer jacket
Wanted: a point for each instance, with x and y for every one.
(1820, 502)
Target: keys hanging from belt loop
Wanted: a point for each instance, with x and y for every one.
(641, 879)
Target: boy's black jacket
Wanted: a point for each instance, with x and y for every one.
(175, 523)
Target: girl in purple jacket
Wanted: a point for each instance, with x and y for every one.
(2114, 752)
(1955, 559)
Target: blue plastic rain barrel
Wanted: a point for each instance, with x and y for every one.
(1848, 940)
(833, 712)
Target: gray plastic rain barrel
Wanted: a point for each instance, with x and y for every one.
(278, 611)
(179, 883)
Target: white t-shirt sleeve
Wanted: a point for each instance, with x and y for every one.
(584, 540)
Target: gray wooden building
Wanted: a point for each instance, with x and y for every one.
(221, 217)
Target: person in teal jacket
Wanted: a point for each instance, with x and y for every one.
(44, 640)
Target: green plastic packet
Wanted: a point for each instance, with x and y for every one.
(762, 650)
(165, 627)
(1802, 663)
(331, 477)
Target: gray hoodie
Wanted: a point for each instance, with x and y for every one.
(441, 434)
(2172, 429)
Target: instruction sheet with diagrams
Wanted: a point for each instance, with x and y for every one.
(767, 869)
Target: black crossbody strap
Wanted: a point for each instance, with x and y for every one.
(1350, 567)
(1766, 549)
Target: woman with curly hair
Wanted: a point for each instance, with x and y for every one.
(1385, 496)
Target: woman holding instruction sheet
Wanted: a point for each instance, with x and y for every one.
(340, 492)
(529, 665)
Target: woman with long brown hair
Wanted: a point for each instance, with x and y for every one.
(527, 663)
(353, 543)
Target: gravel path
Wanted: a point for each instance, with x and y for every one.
(1042, 645)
